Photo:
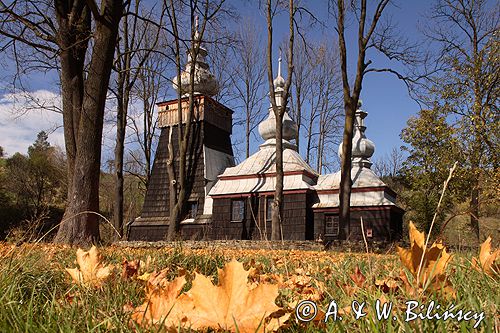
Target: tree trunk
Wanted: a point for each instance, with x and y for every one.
(474, 209)
(73, 27)
(121, 124)
(345, 173)
(309, 137)
(247, 134)
(172, 188)
(80, 227)
(277, 213)
(298, 116)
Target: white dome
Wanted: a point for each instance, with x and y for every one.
(362, 148)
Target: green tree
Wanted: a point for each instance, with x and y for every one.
(41, 145)
(37, 181)
(432, 148)
(466, 35)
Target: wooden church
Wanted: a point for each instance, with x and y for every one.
(228, 201)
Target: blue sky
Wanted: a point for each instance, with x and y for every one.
(385, 98)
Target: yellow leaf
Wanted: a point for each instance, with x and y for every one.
(144, 277)
(162, 297)
(91, 272)
(231, 305)
(434, 262)
(487, 258)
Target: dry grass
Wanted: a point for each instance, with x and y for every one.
(38, 296)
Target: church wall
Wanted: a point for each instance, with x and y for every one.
(156, 202)
(384, 221)
(297, 219)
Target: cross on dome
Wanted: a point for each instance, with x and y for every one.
(279, 81)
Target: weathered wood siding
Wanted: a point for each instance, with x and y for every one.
(297, 219)
(153, 224)
(385, 223)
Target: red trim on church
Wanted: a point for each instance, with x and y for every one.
(251, 194)
(269, 174)
(361, 189)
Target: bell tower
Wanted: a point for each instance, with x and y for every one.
(209, 154)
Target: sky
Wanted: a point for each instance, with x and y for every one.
(385, 98)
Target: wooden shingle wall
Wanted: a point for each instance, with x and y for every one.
(297, 219)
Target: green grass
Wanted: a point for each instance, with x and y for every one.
(34, 289)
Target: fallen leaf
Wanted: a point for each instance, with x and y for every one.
(130, 268)
(231, 305)
(92, 272)
(144, 277)
(162, 297)
(435, 260)
(487, 259)
(387, 285)
(358, 278)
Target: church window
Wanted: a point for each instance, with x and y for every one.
(332, 225)
(192, 207)
(237, 210)
(269, 208)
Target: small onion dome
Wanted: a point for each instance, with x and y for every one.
(362, 148)
(279, 81)
(204, 81)
(267, 128)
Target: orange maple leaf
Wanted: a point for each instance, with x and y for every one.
(163, 304)
(92, 272)
(358, 278)
(487, 259)
(231, 305)
(434, 262)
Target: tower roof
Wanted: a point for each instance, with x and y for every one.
(258, 172)
(204, 81)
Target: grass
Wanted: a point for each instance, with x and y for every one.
(36, 294)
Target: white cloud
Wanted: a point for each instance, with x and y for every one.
(23, 116)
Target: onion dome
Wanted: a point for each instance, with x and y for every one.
(267, 128)
(204, 81)
(362, 148)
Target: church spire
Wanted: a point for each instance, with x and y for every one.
(267, 128)
(279, 81)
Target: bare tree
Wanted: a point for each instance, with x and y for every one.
(390, 164)
(302, 86)
(208, 12)
(138, 40)
(248, 79)
(386, 41)
(32, 24)
(321, 91)
(147, 92)
(279, 112)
